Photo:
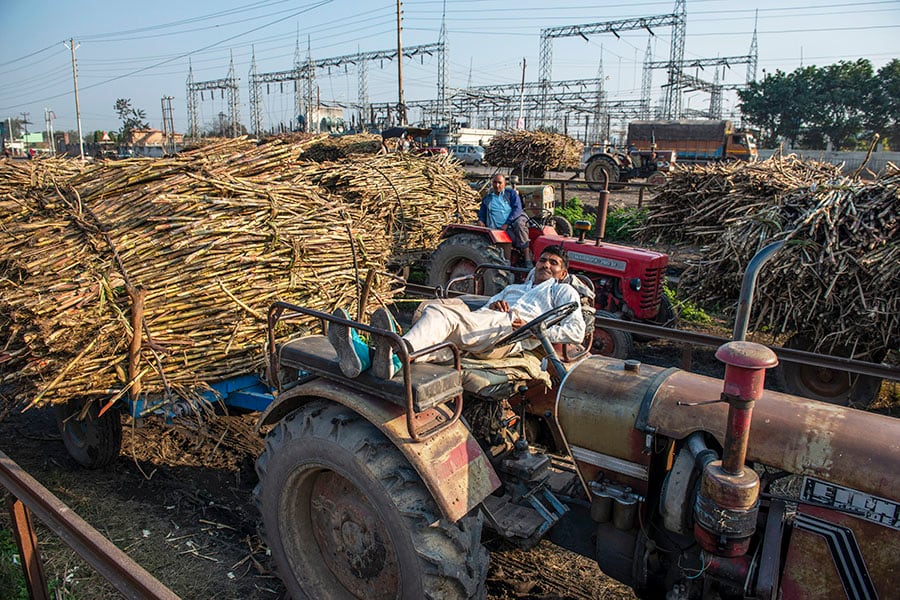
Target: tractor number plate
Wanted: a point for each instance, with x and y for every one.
(866, 506)
(609, 263)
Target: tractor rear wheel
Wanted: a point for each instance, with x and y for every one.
(611, 342)
(459, 254)
(827, 385)
(593, 174)
(346, 516)
(94, 442)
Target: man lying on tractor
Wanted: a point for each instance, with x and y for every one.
(474, 332)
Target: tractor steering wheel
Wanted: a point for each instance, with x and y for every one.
(540, 322)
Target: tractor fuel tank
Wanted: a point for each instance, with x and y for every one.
(612, 415)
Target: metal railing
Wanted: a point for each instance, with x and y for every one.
(27, 496)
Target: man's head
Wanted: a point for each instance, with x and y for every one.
(498, 183)
(553, 263)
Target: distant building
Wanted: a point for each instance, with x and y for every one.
(152, 142)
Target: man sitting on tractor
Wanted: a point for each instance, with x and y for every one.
(502, 209)
(475, 332)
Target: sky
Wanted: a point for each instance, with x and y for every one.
(141, 51)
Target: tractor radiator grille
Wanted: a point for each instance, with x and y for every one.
(651, 287)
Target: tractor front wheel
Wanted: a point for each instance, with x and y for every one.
(459, 254)
(346, 516)
(611, 342)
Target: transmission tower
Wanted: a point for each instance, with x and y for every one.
(646, 81)
(599, 113)
(443, 60)
(754, 52)
(309, 88)
(227, 86)
(255, 100)
(193, 118)
(648, 23)
(672, 104)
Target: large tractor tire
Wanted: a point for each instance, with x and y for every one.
(94, 442)
(827, 385)
(593, 174)
(459, 254)
(611, 342)
(346, 516)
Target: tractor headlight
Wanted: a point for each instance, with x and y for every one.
(635, 283)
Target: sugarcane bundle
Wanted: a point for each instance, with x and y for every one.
(837, 278)
(414, 196)
(18, 175)
(698, 202)
(535, 151)
(330, 148)
(204, 241)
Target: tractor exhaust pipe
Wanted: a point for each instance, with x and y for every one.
(602, 207)
(726, 508)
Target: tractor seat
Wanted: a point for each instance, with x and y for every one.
(432, 384)
(499, 378)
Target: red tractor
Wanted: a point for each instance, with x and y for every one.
(628, 282)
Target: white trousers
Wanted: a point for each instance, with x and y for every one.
(473, 332)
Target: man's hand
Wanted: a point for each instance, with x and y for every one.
(517, 322)
(500, 305)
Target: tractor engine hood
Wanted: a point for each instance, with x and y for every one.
(612, 413)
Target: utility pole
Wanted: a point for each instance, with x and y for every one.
(25, 122)
(168, 124)
(520, 122)
(71, 45)
(49, 115)
(401, 105)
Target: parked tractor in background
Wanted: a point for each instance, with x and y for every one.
(607, 163)
(696, 142)
(628, 282)
(678, 485)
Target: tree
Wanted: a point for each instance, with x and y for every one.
(884, 113)
(132, 118)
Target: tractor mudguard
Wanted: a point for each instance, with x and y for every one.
(451, 463)
(497, 236)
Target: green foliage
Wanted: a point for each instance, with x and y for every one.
(687, 310)
(132, 118)
(574, 211)
(845, 104)
(620, 222)
(12, 581)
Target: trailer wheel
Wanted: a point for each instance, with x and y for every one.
(346, 516)
(459, 254)
(827, 385)
(611, 342)
(94, 442)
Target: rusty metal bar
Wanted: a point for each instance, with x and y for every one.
(128, 577)
(788, 354)
(29, 553)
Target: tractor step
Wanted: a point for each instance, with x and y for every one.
(523, 525)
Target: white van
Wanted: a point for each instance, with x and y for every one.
(467, 155)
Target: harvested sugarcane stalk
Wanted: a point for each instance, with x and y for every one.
(534, 151)
(837, 279)
(214, 236)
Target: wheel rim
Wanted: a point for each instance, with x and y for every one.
(348, 538)
(824, 382)
(462, 268)
(604, 342)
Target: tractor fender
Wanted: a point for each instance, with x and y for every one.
(451, 463)
(497, 236)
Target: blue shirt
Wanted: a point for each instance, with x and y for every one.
(498, 210)
(513, 201)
